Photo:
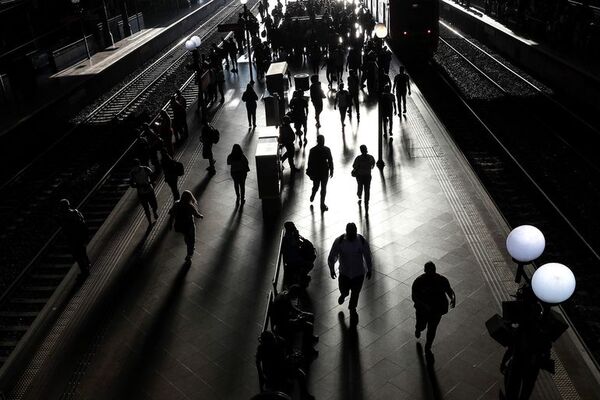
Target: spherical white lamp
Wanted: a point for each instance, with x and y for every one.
(525, 243)
(243, 1)
(553, 283)
(189, 45)
(196, 40)
(380, 31)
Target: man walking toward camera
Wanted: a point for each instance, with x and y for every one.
(430, 293)
(353, 253)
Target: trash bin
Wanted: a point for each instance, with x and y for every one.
(268, 170)
(301, 82)
(272, 110)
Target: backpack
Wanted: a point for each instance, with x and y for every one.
(307, 250)
(213, 134)
(178, 168)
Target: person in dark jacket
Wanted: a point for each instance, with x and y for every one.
(361, 168)
(171, 170)
(299, 112)
(286, 139)
(430, 293)
(320, 169)
(250, 98)
(239, 171)
(354, 90)
(296, 265)
(182, 218)
(316, 97)
(75, 231)
(387, 106)
(206, 138)
(343, 102)
(179, 109)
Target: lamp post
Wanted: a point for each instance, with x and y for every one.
(525, 244)
(528, 326)
(79, 9)
(192, 45)
(247, 29)
(381, 33)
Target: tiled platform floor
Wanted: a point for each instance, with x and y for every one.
(145, 327)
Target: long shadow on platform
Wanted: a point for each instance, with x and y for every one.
(430, 386)
(351, 387)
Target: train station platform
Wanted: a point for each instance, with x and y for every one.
(145, 326)
(576, 77)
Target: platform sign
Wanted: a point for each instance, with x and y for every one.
(229, 27)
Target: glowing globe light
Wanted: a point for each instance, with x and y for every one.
(243, 1)
(196, 40)
(380, 31)
(553, 283)
(189, 45)
(525, 243)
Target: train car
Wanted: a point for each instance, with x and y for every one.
(413, 27)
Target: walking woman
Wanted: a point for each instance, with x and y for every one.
(239, 170)
(182, 217)
(250, 98)
(166, 132)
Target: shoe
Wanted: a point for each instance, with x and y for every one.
(341, 299)
(314, 339)
(188, 258)
(324, 207)
(155, 214)
(305, 141)
(254, 126)
(243, 201)
(417, 333)
(353, 317)
(312, 197)
(404, 112)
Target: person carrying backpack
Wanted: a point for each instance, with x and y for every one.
(75, 231)
(353, 252)
(182, 218)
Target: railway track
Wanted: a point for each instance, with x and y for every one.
(512, 132)
(101, 185)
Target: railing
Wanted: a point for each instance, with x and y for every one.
(274, 282)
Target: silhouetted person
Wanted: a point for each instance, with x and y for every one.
(362, 166)
(286, 140)
(173, 170)
(220, 76)
(353, 90)
(182, 218)
(299, 112)
(232, 51)
(287, 319)
(277, 369)
(296, 262)
(165, 130)
(179, 109)
(401, 86)
(342, 102)
(140, 177)
(316, 97)
(387, 105)
(250, 98)
(353, 253)
(320, 169)
(430, 293)
(239, 171)
(75, 230)
(207, 138)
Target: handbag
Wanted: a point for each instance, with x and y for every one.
(354, 172)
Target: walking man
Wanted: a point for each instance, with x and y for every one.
(286, 140)
(140, 178)
(342, 101)
(430, 293)
(316, 96)
(76, 232)
(401, 86)
(361, 170)
(353, 253)
(353, 90)
(320, 169)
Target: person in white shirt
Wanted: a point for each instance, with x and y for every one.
(353, 253)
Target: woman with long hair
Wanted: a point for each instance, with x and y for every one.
(182, 217)
(250, 98)
(239, 171)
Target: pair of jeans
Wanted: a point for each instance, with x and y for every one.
(351, 286)
(429, 320)
(320, 182)
(189, 237)
(239, 184)
(148, 200)
(401, 99)
(364, 182)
